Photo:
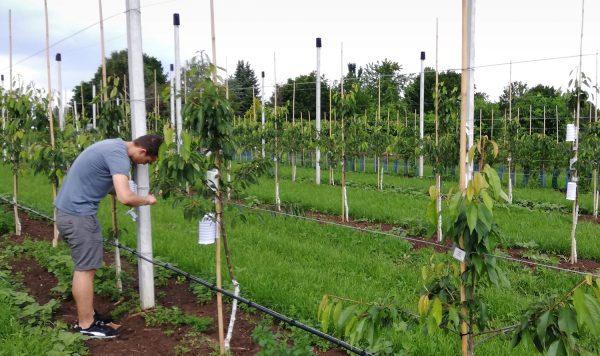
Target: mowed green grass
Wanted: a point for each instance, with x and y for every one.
(289, 264)
(404, 200)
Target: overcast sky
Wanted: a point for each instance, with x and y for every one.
(507, 30)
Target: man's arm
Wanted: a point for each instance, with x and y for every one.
(126, 196)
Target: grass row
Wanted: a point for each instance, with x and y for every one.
(289, 264)
(404, 202)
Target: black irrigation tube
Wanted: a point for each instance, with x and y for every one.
(212, 287)
(248, 302)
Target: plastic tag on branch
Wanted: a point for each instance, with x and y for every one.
(207, 230)
(571, 191)
(459, 254)
(133, 186)
(571, 132)
(212, 179)
(132, 214)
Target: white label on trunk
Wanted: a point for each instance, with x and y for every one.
(459, 254)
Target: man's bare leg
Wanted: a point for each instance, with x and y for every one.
(83, 292)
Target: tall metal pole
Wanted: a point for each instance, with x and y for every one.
(318, 115)
(61, 107)
(471, 84)
(342, 68)
(421, 112)
(438, 175)
(574, 177)
(10, 65)
(172, 96)
(137, 97)
(93, 105)
(3, 116)
(596, 102)
(262, 113)
(177, 81)
(104, 83)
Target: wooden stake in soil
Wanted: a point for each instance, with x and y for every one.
(467, 342)
(15, 177)
(438, 176)
(50, 118)
(218, 200)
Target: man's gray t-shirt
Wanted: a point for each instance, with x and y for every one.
(90, 177)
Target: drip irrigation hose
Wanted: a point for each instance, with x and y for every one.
(508, 258)
(248, 302)
(212, 287)
(413, 239)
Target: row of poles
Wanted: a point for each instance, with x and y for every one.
(138, 122)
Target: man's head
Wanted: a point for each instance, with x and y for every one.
(145, 149)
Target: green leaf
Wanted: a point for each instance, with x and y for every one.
(322, 306)
(472, 216)
(337, 311)
(557, 348)
(493, 181)
(423, 305)
(485, 215)
(567, 321)
(433, 192)
(325, 317)
(453, 316)
(436, 311)
(584, 315)
(344, 316)
(349, 329)
(487, 200)
(432, 214)
(542, 325)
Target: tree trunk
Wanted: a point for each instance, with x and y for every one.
(555, 174)
(543, 177)
(277, 197)
(294, 167)
(380, 173)
(115, 232)
(438, 180)
(574, 231)
(525, 181)
(595, 185)
(219, 216)
(15, 208)
(510, 184)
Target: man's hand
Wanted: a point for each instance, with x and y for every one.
(151, 199)
(126, 196)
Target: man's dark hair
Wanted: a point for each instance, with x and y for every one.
(151, 143)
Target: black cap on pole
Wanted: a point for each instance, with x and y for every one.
(172, 69)
(58, 58)
(423, 56)
(176, 19)
(318, 42)
(262, 74)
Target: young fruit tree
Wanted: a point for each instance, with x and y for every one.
(193, 176)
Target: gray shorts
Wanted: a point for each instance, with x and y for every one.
(84, 237)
